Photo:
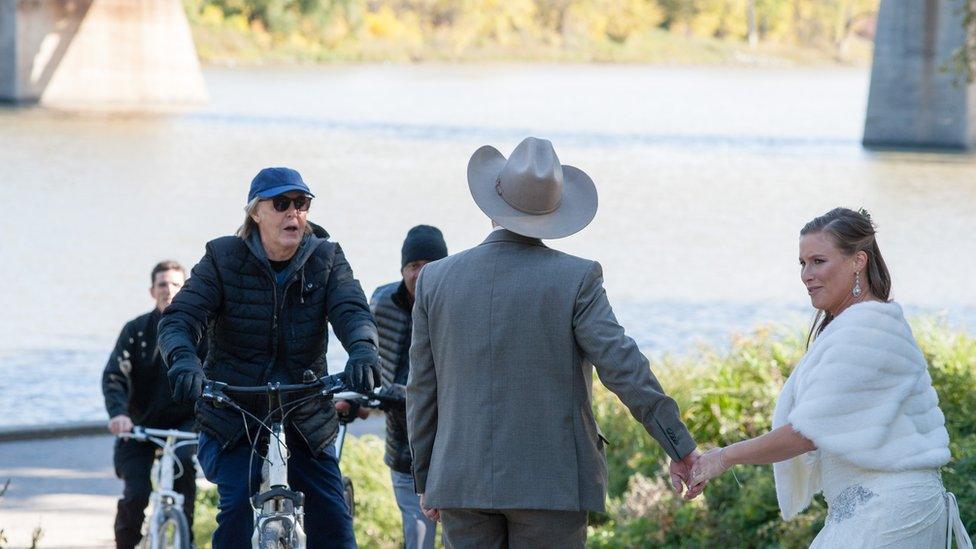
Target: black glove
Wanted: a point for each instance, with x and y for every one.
(394, 392)
(362, 370)
(393, 397)
(186, 381)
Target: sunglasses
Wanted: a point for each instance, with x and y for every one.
(283, 203)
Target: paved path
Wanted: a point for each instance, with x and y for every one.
(67, 487)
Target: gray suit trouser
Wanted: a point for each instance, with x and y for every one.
(513, 528)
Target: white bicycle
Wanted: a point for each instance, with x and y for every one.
(278, 510)
(166, 525)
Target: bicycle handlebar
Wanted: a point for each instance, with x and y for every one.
(144, 433)
(368, 399)
(213, 391)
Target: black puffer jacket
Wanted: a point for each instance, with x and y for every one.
(253, 323)
(391, 308)
(134, 380)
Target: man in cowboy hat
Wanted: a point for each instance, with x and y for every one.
(513, 322)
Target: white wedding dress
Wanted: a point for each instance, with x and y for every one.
(907, 509)
(863, 395)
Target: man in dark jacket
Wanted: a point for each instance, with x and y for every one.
(391, 305)
(137, 393)
(265, 297)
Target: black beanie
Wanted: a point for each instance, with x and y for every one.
(423, 242)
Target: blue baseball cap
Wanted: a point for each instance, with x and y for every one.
(271, 182)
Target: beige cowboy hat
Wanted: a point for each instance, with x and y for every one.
(531, 193)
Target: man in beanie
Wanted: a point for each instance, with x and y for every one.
(391, 305)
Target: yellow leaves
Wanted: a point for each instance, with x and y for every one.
(391, 33)
(237, 22)
(650, 30)
(627, 17)
(383, 23)
(721, 18)
(211, 16)
(337, 30)
(585, 21)
(504, 22)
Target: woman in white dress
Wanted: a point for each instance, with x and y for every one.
(858, 418)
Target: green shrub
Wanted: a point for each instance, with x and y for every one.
(377, 521)
(727, 396)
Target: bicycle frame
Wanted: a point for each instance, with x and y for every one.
(163, 496)
(276, 502)
(278, 510)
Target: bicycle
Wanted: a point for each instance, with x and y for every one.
(166, 526)
(278, 510)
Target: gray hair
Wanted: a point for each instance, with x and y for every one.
(249, 225)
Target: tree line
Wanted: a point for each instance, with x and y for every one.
(460, 28)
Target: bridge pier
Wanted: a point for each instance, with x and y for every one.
(114, 54)
(917, 99)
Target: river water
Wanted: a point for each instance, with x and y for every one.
(705, 177)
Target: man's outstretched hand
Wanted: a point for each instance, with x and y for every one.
(681, 476)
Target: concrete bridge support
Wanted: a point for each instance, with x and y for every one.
(917, 99)
(113, 54)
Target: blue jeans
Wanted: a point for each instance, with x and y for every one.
(327, 520)
(419, 531)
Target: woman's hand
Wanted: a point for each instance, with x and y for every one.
(710, 465)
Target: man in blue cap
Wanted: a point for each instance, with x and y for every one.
(265, 296)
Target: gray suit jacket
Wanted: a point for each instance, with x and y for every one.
(499, 410)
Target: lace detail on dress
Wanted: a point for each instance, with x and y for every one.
(845, 504)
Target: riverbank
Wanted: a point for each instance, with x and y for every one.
(223, 41)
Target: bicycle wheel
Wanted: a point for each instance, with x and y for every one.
(173, 532)
(275, 534)
(349, 495)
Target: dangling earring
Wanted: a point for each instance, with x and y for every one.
(856, 291)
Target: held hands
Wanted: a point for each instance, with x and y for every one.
(362, 369)
(680, 472)
(120, 424)
(709, 466)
